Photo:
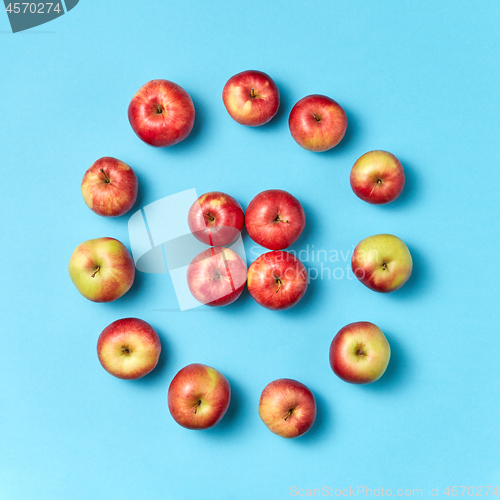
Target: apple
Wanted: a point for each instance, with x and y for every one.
(317, 123)
(382, 262)
(251, 98)
(102, 269)
(129, 348)
(216, 219)
(198, 396)
(275, 219)
(377, 177)
(216, 276)
(359, 353)
(109, 187)
(277, 280)
(161, 113)
(287, 407)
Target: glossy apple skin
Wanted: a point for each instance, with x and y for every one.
(317, 123)
(275, 219)
(109, 187)
(216, 219)
(161, 113)
(102, 269)
(377, 177)
(277, 280)
(359, 353)
(129, 348)
(198, 396)
(217, 276)
(251, 98)
(382, 262)
(287, 407)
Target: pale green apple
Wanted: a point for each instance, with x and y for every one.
(382, 262)
(102, 269)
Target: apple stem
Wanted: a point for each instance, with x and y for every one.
(279, 219)
(210, 217)
(159, 109)
(108, 180)
(252, 93)
(384, 266)
(288, 414)
(96, 271)
(198, 403)
(379, 182)
(279, 283)
(317, 118)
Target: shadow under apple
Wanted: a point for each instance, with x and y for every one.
(398, 370)
(323, 424)
(231, 422)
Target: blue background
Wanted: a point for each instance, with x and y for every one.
(417, 78)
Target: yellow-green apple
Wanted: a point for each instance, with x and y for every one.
(287, 407)
(382, 262)
(275, 219)
(377, 177)
(216, 219)
(109, 187)
(317, 123)
(198, 396)
(129, 348)
(251, 98)
(359, 353)
(161, 113)
(216, 276)
(102, 269)
(277, 280)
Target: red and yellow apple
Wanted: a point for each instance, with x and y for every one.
(216, 276)
(251, 98)
(277, 280)
(382, 262)
(359, 353)
(275, 219)
(287, 407)
(198, 396)
(109, 187)
(216, 219)
(161, 113)
(129, 348)
(377, 177)
(102, 269)
(317, 123)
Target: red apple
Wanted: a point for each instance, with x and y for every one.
(287, 407)
(109, 187)
(102, 269)
(277, 280)
(198, 396)
(251, 98)
(382, 262)
(161, 113)
(216, 276)
(360, 353)
(377, 177)
(317, 123)
(216, 219)
(275, 219)
(129, 348)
